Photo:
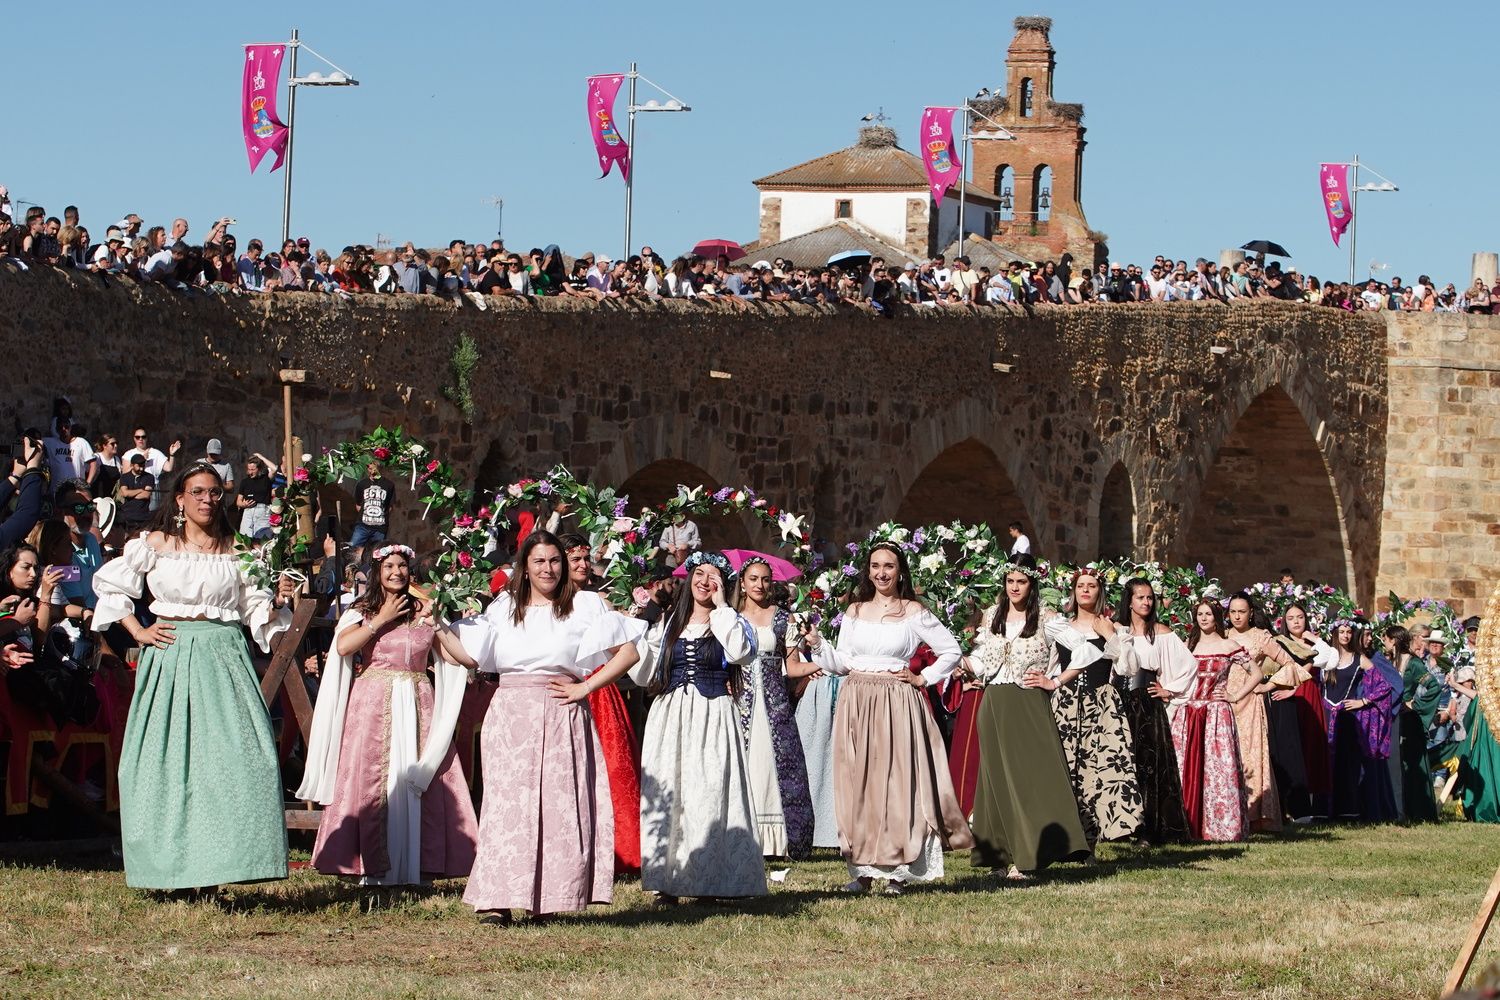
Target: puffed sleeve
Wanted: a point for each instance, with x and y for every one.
(478, 634)
(1176, 669)
(120, 582)
(942, 643)
(734, 633)
(648, 653)
(606, 631)
(259, 614)
(827, 655)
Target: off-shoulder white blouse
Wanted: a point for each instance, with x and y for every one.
(887, 646)
(186, 585)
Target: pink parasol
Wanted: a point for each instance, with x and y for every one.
(712, 249)
(781, 569)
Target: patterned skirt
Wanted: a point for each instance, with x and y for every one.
(1163, 820)
(1208, 752)
(1096, 746)
(778, 772)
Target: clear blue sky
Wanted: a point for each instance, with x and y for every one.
(1205, 124)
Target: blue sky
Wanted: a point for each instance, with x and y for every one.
(1205, 124)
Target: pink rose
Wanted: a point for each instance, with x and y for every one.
(623, 524)
(484, 514)
(382, 453)
(300, 475)
(463, 521)
(465, 560)
(434, 465)
(275, 520)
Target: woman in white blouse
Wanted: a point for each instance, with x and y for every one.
(200, 784)
(1025, 815)
(892, 792)
(546, 828)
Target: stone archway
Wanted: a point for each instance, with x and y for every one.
(1117, 515)
(965, 482)
(657, 483)
(1267, 502)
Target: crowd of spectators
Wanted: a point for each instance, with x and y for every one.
(484, 269)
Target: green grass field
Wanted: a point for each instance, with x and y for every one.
(1322, 912)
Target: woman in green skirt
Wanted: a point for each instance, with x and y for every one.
(200, 786)
(1025, 815)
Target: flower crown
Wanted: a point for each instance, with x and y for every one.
(714, 559)
(390, 550)
(1081, 572)
(753, 561)
(1035, 572)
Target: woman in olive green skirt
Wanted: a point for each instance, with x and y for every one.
(200, 785)
(1025, 814)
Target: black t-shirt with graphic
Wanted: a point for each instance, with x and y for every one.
(374, 497)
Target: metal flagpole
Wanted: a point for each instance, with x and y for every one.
(1353, 215)
(291, 137)
(962, 187)
(630, 171)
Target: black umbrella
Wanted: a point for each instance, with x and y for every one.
(1266, 247)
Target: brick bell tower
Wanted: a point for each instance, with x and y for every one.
(1039, 176)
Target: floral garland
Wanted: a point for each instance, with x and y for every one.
(628, 544)
(1325, 604)
(956, 569)
(266, 561)
(1177, 588)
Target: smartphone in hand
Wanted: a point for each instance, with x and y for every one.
(70, 574)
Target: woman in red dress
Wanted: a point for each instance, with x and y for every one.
(1204, 734)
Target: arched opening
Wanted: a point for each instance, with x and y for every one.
(1041, 193)
(1117, 515)
(1026, 97)
(965, 483)
(657, 483)
(1005, 182)
(1269, 502)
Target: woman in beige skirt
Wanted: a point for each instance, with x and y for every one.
(893, 795)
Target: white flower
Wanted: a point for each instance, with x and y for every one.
(931, 562)
(515, 490)
(739, 496)
(614, 548)
(977, 544)
(899, 535)
(946, 533)
(690, 495)
(449, 493)
(790, 525)
(447, 577)
(306, 458)
(417, 450)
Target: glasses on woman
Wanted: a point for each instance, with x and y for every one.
(213, 493)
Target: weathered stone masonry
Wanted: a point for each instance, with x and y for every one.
(1279, 442)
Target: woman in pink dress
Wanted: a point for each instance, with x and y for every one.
(1203, 732)
(380, 756)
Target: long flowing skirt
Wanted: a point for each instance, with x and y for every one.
(368, 828)
(1163, 820)
(1479, 769)
(894, 797)
(1024, 811)
(1096, 747)
(546, 828)
(697, 824)
(200, 786)
(1262, 804)
(1416, 775)
(1361, 784)
(1288, 760)
(815, 732)
(622, 762)
(963, 753)
(1213, 789)
(1312, 724)
(778, 772)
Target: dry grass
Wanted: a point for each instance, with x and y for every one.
(1326, 912)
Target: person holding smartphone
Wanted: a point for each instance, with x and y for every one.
(26, 485)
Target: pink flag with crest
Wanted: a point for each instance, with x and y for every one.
(1333, 178)
(264, 131)
(938, 154)
(608, 142)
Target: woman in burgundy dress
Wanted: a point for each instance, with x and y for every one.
(1203, 731)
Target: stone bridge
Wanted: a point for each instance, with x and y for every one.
(1359, 450)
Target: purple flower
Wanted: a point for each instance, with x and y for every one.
(838, 620)
(852, 547)
(908, 547)
(1198, 569)
(849, 570)
(966, 573)
(640, 561)
(544, 488)
(724, 494)
(620, 506)
(919, 537)
(950, 609)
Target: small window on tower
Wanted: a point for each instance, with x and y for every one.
(843, 208)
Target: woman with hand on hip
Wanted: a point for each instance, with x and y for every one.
(200, 783)
(546, 828)
(893, 794)
(398, 812)
(698, 834)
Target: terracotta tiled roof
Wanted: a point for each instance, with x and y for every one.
(813, 249)
(873, 167)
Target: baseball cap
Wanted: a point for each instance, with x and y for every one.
(911, 265)
(215, 446)
(303, 242)
(136, 458)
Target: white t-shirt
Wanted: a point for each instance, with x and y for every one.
(68, 460)
(684, 534)
(155, 460)
(1021, 546)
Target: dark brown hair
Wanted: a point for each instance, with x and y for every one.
(866, 589)
(1221, 629)
(219, 529)
(519, 588)
(372, 598)
(1033, 602)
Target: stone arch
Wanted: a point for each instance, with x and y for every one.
(1041, 183)
(1269, 499)
(1026, 97)
(1116, 515)
(965, 482)
(657, 483)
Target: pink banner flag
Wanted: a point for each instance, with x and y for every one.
(607, 139)
(1333, 178)
(264, 131)
(938, 154)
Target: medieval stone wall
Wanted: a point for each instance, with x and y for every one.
(838, 414)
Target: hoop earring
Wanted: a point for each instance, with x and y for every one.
(180, 519)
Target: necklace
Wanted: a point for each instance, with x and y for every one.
(199, 545)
